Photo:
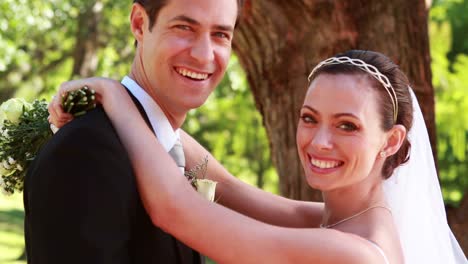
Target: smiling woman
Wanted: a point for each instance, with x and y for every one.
(325, 136)
(327, 131)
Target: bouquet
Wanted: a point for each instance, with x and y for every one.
(24, 129)
(203, 186)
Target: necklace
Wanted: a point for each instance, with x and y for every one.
(356, 215)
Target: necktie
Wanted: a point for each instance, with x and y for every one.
(177, 153)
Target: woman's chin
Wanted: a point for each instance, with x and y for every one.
(315, 183)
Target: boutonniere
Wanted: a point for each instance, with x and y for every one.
(196, 177)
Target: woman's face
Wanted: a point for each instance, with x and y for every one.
(339, 135)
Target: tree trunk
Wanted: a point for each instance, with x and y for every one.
(84, 54)
(458, 221)
(279, 42)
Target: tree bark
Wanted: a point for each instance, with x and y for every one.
(84, 55)
(458, 221)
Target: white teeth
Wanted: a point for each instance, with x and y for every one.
(324, 164)
(193, 75)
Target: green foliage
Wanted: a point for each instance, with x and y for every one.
(456, 16)
(39, 39)
(451, 92)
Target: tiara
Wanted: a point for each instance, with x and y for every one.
(371, 69)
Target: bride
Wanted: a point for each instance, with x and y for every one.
(353, 144)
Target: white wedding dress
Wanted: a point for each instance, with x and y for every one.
(414, 195)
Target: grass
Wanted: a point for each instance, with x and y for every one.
(11, 229)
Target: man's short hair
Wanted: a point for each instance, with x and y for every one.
(152, 8)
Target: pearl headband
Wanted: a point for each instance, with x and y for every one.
(371, 69)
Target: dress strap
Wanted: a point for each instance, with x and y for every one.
(376, 246)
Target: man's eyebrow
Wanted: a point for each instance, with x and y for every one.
(224, 28)
(185, 19)
(192, 21)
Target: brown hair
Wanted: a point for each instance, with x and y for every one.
(400, 84)
(152, 8)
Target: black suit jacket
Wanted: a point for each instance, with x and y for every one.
(82, 205)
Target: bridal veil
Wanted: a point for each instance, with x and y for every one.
(414, 195)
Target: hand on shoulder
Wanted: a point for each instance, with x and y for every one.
(104, 88)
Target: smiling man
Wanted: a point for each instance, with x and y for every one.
(183, 57)
(81, 199)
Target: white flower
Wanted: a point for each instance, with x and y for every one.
(5, 165)
(13, 109)
(19, 167)
(11, 160)
(206, 188)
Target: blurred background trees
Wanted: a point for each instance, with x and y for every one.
(449, 53)
(43, 43)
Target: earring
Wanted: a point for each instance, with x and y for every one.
(383, 154)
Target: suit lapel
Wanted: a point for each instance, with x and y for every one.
(140, 109)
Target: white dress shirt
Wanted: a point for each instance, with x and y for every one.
(161, 126)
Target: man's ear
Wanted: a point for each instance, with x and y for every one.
(395, 138)
(138, 21)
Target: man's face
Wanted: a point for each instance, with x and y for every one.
(185, 55)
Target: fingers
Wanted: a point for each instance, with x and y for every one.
(99, 84)
(73, 85)
(58, 117)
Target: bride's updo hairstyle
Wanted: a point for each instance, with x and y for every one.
(392, 88)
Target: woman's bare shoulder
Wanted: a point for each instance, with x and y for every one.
(317, 245)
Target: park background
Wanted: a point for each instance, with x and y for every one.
(248, 123)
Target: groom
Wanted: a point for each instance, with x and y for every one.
(80, 198)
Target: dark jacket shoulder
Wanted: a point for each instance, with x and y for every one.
(95, 125)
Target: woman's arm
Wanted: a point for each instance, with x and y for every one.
(249, 200)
